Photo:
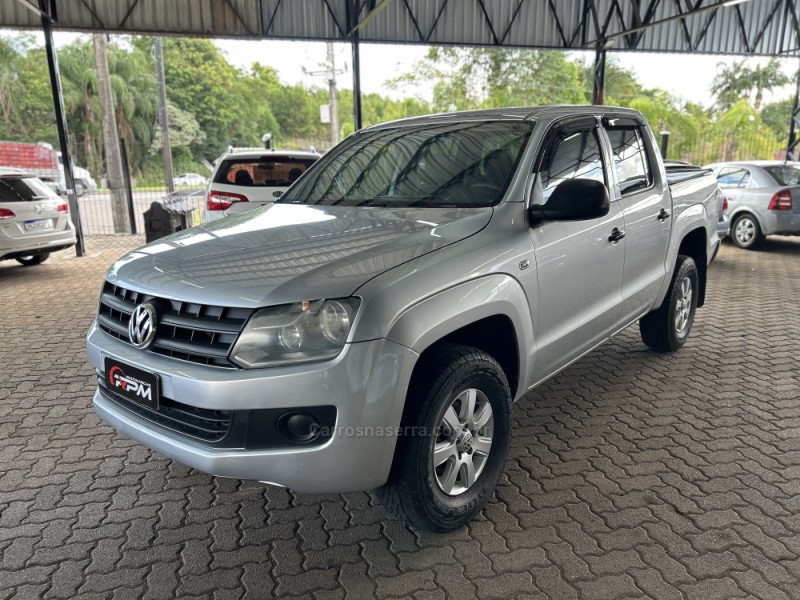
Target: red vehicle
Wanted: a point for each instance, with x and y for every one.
(37, 159)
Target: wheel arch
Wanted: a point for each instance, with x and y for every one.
(695, 244)
(492, 314)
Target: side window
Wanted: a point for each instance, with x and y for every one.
(630, 159)
(572, 155)
(733, 177)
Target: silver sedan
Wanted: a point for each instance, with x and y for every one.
(763, 198)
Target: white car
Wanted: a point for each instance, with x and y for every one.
(248, 179)
(34, 221)
(189, 180)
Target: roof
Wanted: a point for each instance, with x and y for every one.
(5, 171)
(753, 163)
(747, 27)
(517, 113)
(259, 152)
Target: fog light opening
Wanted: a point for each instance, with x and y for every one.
(299, 427)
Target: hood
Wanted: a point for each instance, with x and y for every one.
(284, 253)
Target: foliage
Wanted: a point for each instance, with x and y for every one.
(184, 131)
(212, 104)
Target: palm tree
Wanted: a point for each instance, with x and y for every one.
(767, 77)
(732, 83)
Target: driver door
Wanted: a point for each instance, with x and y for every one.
(579, 263)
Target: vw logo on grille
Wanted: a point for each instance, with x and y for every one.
(142, 326)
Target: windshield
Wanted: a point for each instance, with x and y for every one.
(431, 165)
(785, 174)
(265, 171)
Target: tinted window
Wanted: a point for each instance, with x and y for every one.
(444, 165)
(785, 174)
(266, 171)
(571, 156)
(23, 189)
(733, 177)
(630, 159)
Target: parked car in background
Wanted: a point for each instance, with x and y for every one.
(189, 180)
(249, 178)
(762, 198)
(372, 327)
(34, 221)
(84, 182)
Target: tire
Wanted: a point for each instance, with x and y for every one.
(746, 232)
(421, 493)
(30, 261)
(80, 189)
(667, 328)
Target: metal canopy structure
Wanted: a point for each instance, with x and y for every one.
(744, 27)
(724, 27)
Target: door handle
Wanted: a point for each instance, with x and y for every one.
(616, 235)
(663, 215)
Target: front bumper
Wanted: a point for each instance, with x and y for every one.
(366, 384)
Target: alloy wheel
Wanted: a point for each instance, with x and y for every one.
(463, 441)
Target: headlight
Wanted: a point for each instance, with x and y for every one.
(302, 332)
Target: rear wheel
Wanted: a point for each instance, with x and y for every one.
(80, 189)
(746, 232)
(667, 328)
(35, 259)
(455, 443)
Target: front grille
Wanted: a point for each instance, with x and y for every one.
(197, 333)
(200, 423)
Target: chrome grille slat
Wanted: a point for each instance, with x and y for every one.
(197, 333)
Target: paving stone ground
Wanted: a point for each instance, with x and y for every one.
(632, 475)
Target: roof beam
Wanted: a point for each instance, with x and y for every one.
(374, 13)
(697, 10)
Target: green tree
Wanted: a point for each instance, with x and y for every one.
(201, 81)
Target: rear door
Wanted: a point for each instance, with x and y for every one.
(646, 205)
(579, 263)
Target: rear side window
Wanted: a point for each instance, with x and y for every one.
(266, 171)
(630, 159)
(733, 177)
(23, 189)
(572, 155)
(785, 174)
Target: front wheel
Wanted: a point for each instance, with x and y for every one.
(667, 328)
(746, 232)
(80, 189)
(455, 441)
(30, 261)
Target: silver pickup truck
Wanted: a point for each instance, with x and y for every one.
(372, 327)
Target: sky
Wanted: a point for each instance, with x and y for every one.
(686, 76)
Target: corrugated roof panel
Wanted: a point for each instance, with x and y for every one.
(521, 23)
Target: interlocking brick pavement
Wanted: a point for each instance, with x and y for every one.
(631, 475)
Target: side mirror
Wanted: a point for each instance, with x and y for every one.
(573, 200)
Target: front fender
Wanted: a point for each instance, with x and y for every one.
(431, 319)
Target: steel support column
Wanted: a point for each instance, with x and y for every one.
(353, 27)
(794, 124)
(599, 84)
(356, 82)
(48, 11)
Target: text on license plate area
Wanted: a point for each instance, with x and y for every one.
(38, 225)
(132, 383)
